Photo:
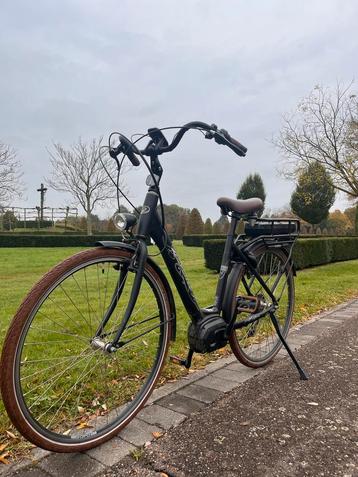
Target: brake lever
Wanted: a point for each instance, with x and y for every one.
(211, 134)
(115, 151)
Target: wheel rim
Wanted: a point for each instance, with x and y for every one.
(70, 392)
(258, 342)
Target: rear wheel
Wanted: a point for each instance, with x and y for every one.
(63, 393)
(257, 343)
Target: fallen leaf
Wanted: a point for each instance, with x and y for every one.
(81, 409)
(66, 433)
(156, 435)
(245, 423)
(11, 434)
(163, 474)
(83, 425)
(104, 406)
(2, 447)
(312, 403)
(3, 458)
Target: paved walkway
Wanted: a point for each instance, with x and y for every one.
(273, 425)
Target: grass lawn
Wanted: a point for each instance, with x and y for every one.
(316, 289)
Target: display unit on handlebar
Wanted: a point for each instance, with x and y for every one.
(87, 346)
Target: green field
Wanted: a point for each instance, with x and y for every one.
(316, 289)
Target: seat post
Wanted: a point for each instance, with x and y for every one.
(225, 264)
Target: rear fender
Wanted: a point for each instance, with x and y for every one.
(127, 246)
(259, 242)
(236, 270)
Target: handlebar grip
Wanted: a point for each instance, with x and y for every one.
(132, 157)
(127, 148)
(223, 137)
(235, 145)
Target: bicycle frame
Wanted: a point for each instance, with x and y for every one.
(150, 224)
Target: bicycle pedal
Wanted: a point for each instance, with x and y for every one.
(177, 360)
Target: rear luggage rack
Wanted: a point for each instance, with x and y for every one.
(274, 232)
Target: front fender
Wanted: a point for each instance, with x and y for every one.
(163, 278)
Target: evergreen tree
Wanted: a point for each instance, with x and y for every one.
(224, 224)
(208, 227)
(356, 221)
(180, 229)
(172, 214)
(252, 186)
(221, 226)
(195, 224)
(314, 194)
(217, 228)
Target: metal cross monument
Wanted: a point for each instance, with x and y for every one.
(42, 191)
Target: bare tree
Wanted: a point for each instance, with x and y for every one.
(324, 129)
(10, 174)
(79, 172)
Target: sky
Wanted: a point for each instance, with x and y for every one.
(80, 68)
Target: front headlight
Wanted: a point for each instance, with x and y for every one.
(119, 221)
(123, 221)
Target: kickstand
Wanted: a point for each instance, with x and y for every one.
(303, 375)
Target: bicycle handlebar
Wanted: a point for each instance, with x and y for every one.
(159, 145)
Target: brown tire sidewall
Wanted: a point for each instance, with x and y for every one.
(9, 352)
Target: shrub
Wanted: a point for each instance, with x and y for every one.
(33, 224)
(344, 248)
(306, 253)
(213, 252)
(198, 239)
(310, 252)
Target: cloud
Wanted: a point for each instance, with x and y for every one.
(85, 68)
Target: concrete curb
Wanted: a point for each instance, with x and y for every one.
(170, 405)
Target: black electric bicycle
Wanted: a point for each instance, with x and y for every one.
(87, 345)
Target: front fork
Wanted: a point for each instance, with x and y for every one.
(136, 265)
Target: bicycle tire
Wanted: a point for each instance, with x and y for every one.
(96, 421)
(255, 345)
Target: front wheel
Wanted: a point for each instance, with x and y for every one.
(63, 393)
(257, 343)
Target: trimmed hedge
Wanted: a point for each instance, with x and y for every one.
(213, 252)
(306, 253)
(46, 232)
(32, 224)
(197, 240)
(60, 240)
